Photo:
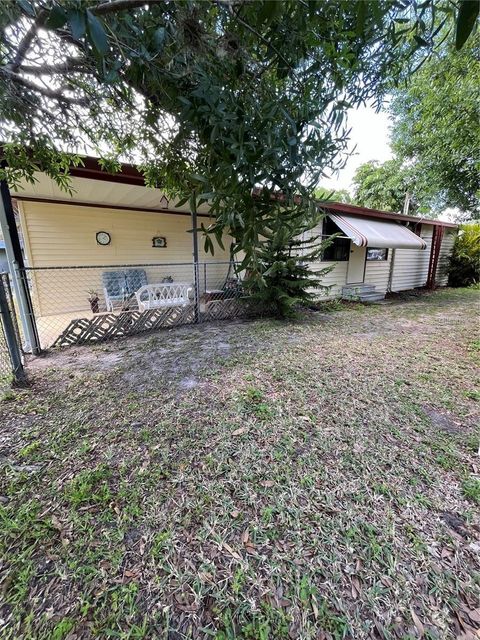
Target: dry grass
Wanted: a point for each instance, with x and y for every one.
(264, 480)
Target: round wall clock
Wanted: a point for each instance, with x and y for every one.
(103, 238)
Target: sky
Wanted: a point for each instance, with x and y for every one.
(370, 135)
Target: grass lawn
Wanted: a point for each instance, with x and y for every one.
(251, 480)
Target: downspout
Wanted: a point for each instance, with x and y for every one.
(16, 266)
(390, 272)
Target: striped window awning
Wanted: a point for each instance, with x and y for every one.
(381, 234)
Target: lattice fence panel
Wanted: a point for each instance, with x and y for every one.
(110, 325)
(232, 308)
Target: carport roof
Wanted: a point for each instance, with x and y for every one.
(93, 186)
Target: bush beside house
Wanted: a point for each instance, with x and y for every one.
(464, 269)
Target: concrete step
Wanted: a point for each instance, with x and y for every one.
(364, 286)
(361, 292)
(355, 290)
(372, 296)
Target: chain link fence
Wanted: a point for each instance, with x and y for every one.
(5, 363)
(11, 359)
(89, 304)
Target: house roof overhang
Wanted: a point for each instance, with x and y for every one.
(129, 174)
(356, 210)
(91, 168)
(95, 187)
(365, 212)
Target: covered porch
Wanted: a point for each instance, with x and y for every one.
(111, 258)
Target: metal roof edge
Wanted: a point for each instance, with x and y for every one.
(129, 174)
(366, 212)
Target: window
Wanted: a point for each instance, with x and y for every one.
(377, 254)
(339, 250)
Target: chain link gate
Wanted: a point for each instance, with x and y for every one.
(11, 359)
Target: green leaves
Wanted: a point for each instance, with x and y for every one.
(97, 34)
(436, 133)
(467, 16)
(57, 17)
(464, 268)
(27, 7)
(159, 38)
(77, 22)
(382, 186)
(82, 23)
(267, 10)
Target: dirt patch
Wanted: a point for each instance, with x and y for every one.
(176, 357)
(443, 421)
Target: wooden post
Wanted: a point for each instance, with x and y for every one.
(437, 237)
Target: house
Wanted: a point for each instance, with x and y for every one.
(117, 257)
(376, 252)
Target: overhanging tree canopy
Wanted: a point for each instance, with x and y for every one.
(436, 131)
(384, 186)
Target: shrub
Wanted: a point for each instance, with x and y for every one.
(286, 276)
(464, 268)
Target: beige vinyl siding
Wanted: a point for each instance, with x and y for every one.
(377, 272)
(64, 235)
(444, 258)
(335, 279)
(61, 235)
(410, 268)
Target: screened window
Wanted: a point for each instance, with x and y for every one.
(339, 250)
(377, 254)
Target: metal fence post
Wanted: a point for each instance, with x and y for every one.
(36, 346)
(196, 272)
(16, 265)
(10, 335)
(196, 284)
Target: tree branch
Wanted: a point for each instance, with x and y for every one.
(25, 43)
(248, 26)
(69, 66)
(47, 93)
(119, 5)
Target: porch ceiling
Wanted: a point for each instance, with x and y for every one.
(101, 192)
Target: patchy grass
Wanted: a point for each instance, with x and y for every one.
(471, 489)
(252, 481)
